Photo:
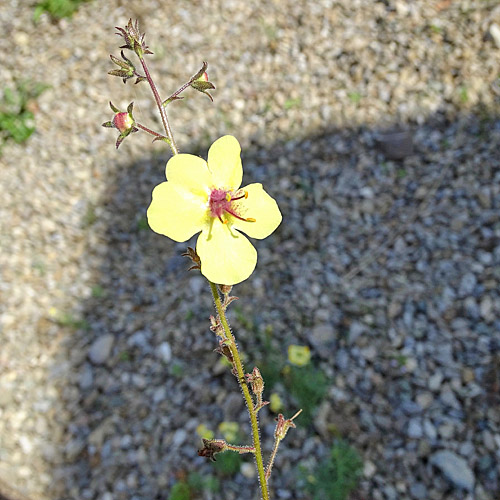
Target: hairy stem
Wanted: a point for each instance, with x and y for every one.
(246, 393)
(152, 132)
(161, 108)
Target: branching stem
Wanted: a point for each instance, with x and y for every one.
(161, 108)
(246, 393)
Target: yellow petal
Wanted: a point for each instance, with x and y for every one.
(227, 257)
(299, 355)
(176, 212)
(191, 172)
(224, 161)
(261, 207)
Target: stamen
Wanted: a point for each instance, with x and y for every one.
(223, 221)
(228, 197)
(245, 195)
(249, 219)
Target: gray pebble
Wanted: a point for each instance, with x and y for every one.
(101, 349)
(454, 468)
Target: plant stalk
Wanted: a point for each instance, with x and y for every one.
(246, 393)
(161, 108)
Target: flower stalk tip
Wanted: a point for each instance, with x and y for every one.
(133, 38)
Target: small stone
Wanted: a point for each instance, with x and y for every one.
(446, 431)
(355, 331)
(425, 399)
(160, 394)
(321, 336)
(248, 470)
(418, 491)
(448, 398)
(468, 375)
(435, 381)
(369, 469)
(101, 349)
(86, 377)
(495, 33)
(467, 284)
(180, 436)
(165, 352)
(430, 430)
(74, 448)
(486, 309)
(454, 468)
(415, 429)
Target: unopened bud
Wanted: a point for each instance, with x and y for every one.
(123, 122)
(256, 382)
(203, 77)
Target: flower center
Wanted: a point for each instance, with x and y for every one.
(222, 202)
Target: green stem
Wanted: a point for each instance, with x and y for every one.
(246, 393)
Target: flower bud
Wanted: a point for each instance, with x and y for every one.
(256, 382)
(123, 122)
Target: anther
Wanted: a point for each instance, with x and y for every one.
(245, 195)
(250, 219)
(228, 197)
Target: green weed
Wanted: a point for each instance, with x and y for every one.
(308, 385)
(336, 477)
(292, 103)
(228, 463)
(193, 486)
(57, 8)
(354, 97)
(16, 118)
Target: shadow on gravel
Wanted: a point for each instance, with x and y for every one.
(387, 269)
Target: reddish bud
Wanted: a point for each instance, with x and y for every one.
(123, 122)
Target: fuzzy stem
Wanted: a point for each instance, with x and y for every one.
(246, 393)
(161, 108)
(240, 449)
(269, 467)
(178, 91)
(152, 132)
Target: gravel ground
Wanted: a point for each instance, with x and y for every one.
(387, 263)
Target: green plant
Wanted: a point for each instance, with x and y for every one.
(354, 97)
(16, 115)
(336, 477)
(180, 491)
(228, 464)
(190, 488)
(308, 385)
(57, 8)
(292, 103)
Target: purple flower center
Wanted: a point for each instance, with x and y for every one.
(222, 201)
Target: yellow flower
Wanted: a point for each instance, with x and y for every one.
(205, 196)
(276, 403)
(204, 432)
(299, 355)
